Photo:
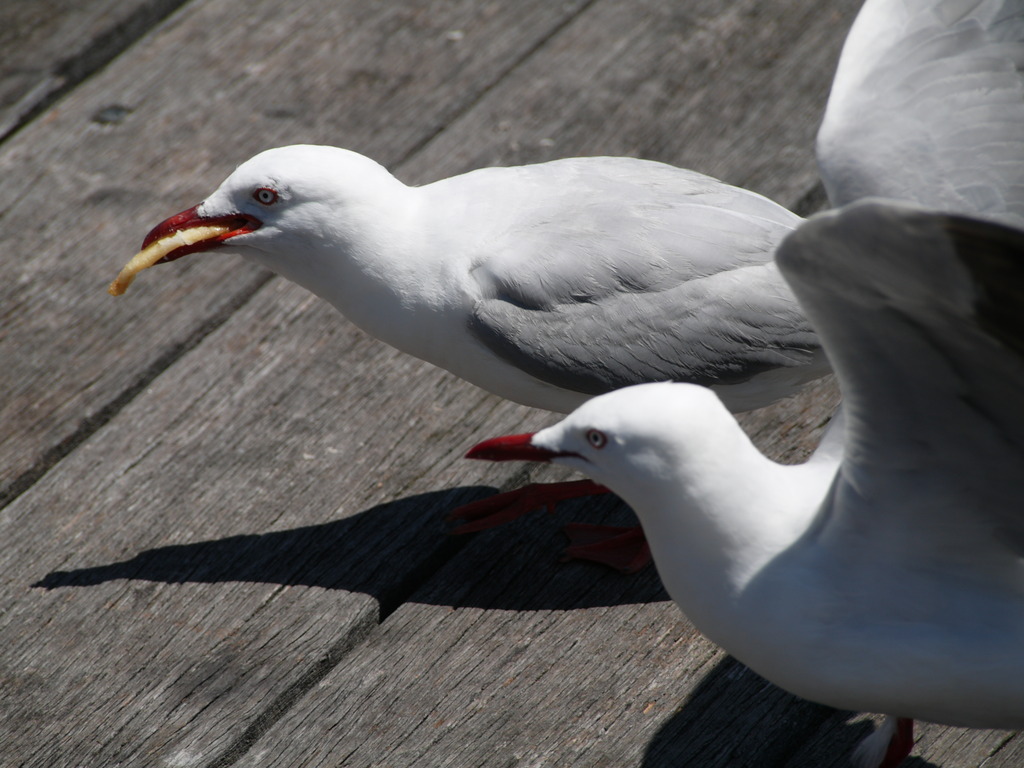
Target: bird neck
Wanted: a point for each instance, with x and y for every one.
(375, 264)
(726, 516)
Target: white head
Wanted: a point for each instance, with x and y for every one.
(283, 205)
(712, 507)
(642, 442)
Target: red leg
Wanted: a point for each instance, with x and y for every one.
(498, 509)
(900, 744)
(624, 549)
(888, 746)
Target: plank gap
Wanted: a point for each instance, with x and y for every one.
(71, 72)
(388, 603)
(93, 422)
(287, 698)
(392, 600)
(1002, 745)
(470, 105)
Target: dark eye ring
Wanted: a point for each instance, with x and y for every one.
(265, 196)
(597, 438)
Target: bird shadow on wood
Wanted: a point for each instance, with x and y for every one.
(402, 551)
(736, 719)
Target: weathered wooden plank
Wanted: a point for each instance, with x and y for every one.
(437, 686)
(193, 565)
(217, 82)
(221, 665)
(734, 92)
(195, 743)
(463, 687)
(583, 670)
(51, 45)
(195, 635)
(228, 428)
(1011, 753)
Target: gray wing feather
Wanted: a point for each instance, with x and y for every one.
(721, 329)
(645, 273)
(928, 107)
(922, 315)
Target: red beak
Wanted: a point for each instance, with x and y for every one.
(239, 224)
(511, 448)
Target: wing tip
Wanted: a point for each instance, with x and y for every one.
(900, 244)
(993, 254)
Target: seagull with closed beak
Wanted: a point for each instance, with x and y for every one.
(549, 284)
(885, 574)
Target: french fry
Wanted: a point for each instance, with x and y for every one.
(152, 253)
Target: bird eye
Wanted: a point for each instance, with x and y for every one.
(597, 438)
(265, 196)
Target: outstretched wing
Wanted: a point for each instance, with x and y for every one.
(927, 106)
(922, 315)
(669, 277)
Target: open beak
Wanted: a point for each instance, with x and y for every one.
(180, 235)
(512, 448)
(228, 226)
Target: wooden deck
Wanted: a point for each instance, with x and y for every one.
(222, 507)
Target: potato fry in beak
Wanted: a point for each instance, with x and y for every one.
(155, 251)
